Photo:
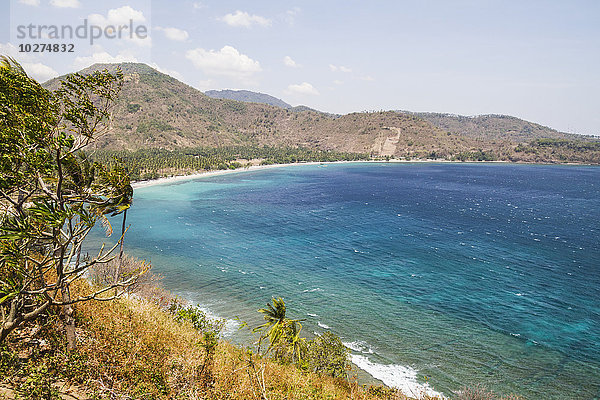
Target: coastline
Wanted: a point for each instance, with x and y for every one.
(385, 372)
(206, 174)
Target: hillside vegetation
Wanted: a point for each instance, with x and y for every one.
(135, 348)
(494, 126)
(146, 164)
(141, 347)
(155, 110)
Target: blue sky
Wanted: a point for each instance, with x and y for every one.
(538, 60)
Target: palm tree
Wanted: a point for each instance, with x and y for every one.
(280, 330)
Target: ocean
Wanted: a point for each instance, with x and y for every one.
(436, 276)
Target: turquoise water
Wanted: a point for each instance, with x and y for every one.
(460, 273)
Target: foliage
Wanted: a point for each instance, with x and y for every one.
(51, 194)
(327, 355)
(479, 155)
(282, 333)
(559, 150)
(153, 125)
(132, 348)
(153, 163)
(133, 107)
(210, 330)
(198, 318)
(37, 385)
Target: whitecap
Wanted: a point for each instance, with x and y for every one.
(312, 290)
(359, 346)
(396, 376)
(230, 326)
(323, 325)
(312, 315)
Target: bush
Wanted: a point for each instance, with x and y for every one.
(38, 385)
(199, 320)
(133, 107)
(327, 355)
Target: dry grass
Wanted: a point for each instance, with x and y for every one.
(133, 348)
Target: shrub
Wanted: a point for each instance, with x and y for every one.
(327, 355)
(133, 107)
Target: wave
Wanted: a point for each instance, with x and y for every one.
(323, 325)
(396, 376)
(359, 346)
(230, 327)
(312, 290)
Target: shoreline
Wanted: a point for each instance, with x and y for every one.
(380, 372)
(206, 174)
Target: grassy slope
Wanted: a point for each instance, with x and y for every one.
(132, 348)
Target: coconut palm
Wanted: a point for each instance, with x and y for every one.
(283, 333)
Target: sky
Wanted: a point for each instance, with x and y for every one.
(536, 60)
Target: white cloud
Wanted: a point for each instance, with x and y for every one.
(205, 85)
(368, 78)
(65, 3)
(123, 16)
(302, 88)
(225, 62)
(341, 68)
(34, 3)
(338, 82)
(174, 33)
(290, 15)
(169, 72)
(40, 72)
(101, 56)
(289, 62)
(117, 16)
(9, 49)
(243, 19)
(198, 5)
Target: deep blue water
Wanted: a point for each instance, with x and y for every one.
(463, 273)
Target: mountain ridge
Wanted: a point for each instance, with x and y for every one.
(155, 110)
(247, 96)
